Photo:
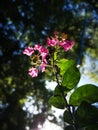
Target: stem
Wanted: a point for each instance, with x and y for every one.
(68, 107)
(72, 112)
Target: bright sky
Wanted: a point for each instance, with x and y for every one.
(50, 126)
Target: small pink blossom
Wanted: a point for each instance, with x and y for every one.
(41, 63)
(41, 49)
(28, 51)
(66, 44)
(52, 42)
(43, 67)
(37, 47)
(43, 52)
(33, 72)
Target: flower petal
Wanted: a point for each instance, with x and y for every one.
(28, 51)
(33, 72)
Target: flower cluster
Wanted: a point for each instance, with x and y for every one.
(39, 59)
(60, 40)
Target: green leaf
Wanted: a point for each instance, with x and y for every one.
(71, 77)
(55, 55)
(67, 117)
(86, 114)
(59, 90)
(64, 64)
(58, 102)
(86, 92)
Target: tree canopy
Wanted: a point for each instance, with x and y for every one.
(24, 23)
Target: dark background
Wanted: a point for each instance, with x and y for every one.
(24, 23)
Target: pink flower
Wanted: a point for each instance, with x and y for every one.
(37, 47)
(43, 66)
(33, 72)
(28, 51)
(41, 63)
(51, 42)
(41, 49)
(66, 44)
(43, 52)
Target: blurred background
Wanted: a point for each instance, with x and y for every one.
(24, 100)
